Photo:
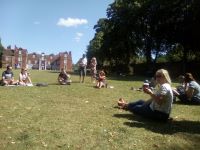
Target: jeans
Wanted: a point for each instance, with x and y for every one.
(194, 100)
(142, 108)
(82, 71)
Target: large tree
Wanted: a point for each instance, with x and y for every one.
(1, 53)
(149, 28)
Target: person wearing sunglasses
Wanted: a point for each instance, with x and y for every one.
(24, 78)
(159, 106)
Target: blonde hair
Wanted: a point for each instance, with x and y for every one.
(165, 75)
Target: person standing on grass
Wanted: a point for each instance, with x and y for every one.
(191, 91)
(82, 68)
(93, 70)
(160, 104)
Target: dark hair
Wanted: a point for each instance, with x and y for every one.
(189, 77)
(8, 67)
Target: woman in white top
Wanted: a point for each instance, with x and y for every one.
(160, 104)
(24, 78)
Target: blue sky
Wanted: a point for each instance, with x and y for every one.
(50, 26)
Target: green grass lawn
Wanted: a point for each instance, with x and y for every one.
(82, 117)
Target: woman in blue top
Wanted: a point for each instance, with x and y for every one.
(191, 93)
(160, 104)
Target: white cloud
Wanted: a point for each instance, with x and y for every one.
(71, 22)
(78, 36)
(36, 22)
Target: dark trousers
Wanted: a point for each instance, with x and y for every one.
(82, 71)
(142, 108)
(184, 99)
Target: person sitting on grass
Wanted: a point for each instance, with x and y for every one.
(160, 104)
(8, 77)
(191, 91)
(101, 80)
(24, 78)
(64, 78)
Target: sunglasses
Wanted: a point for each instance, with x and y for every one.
(158, 76)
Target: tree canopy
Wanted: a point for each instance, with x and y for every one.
(147, 29)
(1, 53)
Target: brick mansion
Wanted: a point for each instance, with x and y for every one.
(20, 58)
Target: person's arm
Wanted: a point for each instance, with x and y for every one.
(3, 75)
(12, 76)
(157, 98)
(59, 76)
(185, 86)
(20, 77)
(189, 93)
(28, 77)
(103, 77)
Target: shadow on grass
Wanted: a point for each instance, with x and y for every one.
(170, 127)
(128, 78)
(181, 103)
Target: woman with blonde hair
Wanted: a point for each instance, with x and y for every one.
(24, 78)
(158, 107)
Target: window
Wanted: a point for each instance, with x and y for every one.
(33, 56)
(19, 58)
(20, 52)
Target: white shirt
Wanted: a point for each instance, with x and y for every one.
(23, 76)
(83, 62)
(166, 91)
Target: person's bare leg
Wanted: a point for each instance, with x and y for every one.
(100, 85)
(83, 79)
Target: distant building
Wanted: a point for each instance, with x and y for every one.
(62, 60)
(19, 58)
(16, 57)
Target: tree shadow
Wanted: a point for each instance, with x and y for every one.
(169, 127)
(127, 78)
(178, 102)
